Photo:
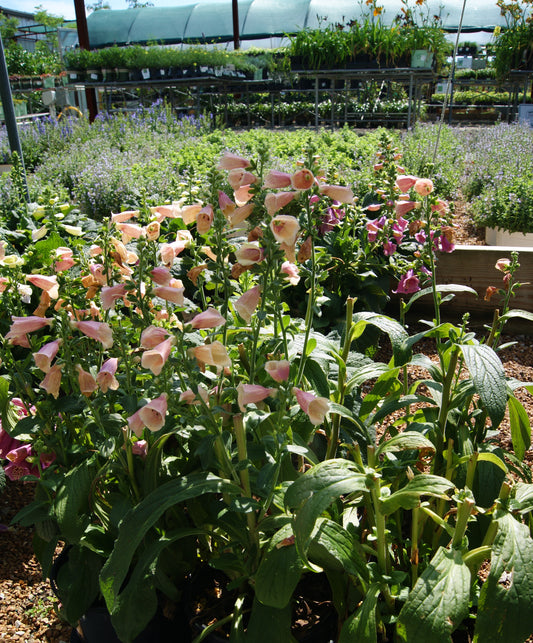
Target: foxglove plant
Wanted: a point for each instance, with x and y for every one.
(186, 419)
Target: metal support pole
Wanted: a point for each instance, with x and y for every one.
(235, 14)
(83, 37)
(316, 103)
(410, 100)
(9, 115)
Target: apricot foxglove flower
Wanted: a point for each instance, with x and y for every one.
(204, 219)
(302, 179)
(503, 265)
(106, 375)
(155, 358)
(23, 325)
(52, 380)
(423, 187)
(252, 394)
(285, 229)
(242, 195)
(210, 318)
(249, 253)
(231, 161)
(120, 217)
(65, 259)
(87, 383)
(190, 212)
(403, 207)
(226, 205)
(278, 370)
(46, 355)
(247, 303)
(152, 230)
(214, 354)
(100, 331)
(315, 407)
(241, 214)
(161, 275)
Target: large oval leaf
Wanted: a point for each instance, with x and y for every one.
(488, 377)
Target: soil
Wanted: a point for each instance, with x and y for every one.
(28, 608)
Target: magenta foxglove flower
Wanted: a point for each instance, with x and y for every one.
(389, 248)
(409, 283)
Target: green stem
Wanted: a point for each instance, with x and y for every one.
(414, 545)
(242, 454)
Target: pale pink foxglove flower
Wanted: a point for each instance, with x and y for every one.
(276, 201)
(503, 265)
(65, 259)
(23, 325)
(339, 193)
(241, 214)
(100, 331)
(315, 407)
(46, 283)
(136, 424)
(247, 303)
(155, 358)
(169, 251)
(109, 294)
(278, 370)
(152, 230)
(210, 318)
(214, 354)
(403, 207)
(152, 336)
(161, 275)
(242, 195)
(226, 205)
(285, 229)
(86, 381)
(231, 161)
(406, 182)
(140, 447)
(239, 177)
(252, 394)
(171, 293)
(292, 272)
(121, 217)
(153, 414)
(276, 179)
(52, 380)
(45, 356)
(106, 375)
(190, 212)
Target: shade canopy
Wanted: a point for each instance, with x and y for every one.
(212, 21)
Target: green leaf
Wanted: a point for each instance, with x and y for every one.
(440, 289)
(317, 377)
(279, 571)
(72, 502)
(385, 384)
(144, 516)
(333, 548)
(520, 427)
(488, 377)
(396, 331)
(438, 602)
(505, 611)
(361, 625)
(517, 312)
(269, 624)
(523, 498)
(405, 441)
(408, 497)
(319, 487)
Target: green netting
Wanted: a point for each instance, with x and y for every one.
(212, 20)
